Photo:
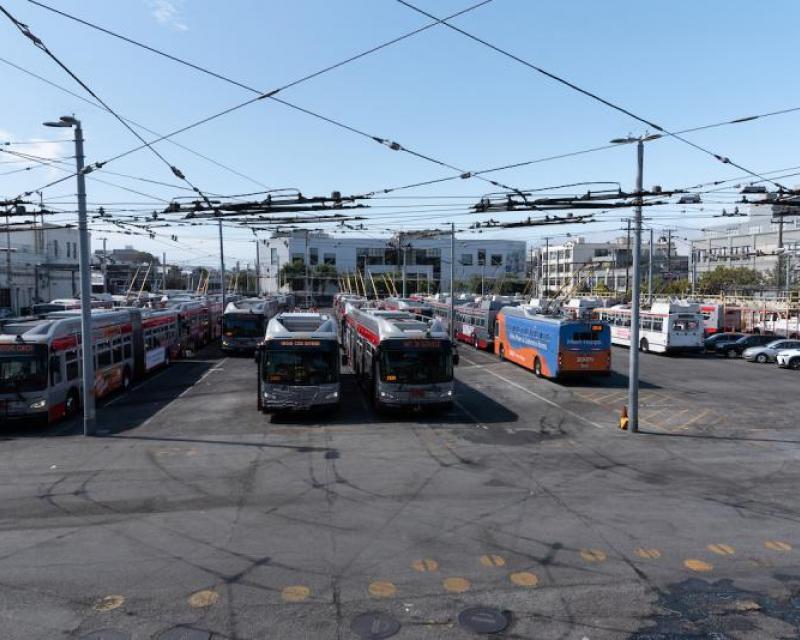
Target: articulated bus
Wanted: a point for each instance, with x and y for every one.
(244, 323)
(552, 345)
(199, 321)
(299, 363)
(409, 305)
(41, 362)
(401, 361)
(340, 302)
(475, 321)
(667, 327)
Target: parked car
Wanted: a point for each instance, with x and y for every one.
(710, 343)
(769, 352)
(789, 359)
(735, 348)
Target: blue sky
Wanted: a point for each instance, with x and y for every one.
(680, 64)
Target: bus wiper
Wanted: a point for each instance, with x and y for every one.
(15, 387)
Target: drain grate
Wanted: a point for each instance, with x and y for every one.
(374, 625)
(107, 634)
(185, 633)
(484, 619)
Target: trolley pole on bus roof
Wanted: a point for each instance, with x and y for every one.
(86, 277)
(633, 357)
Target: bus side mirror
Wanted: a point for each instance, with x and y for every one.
(456, 358)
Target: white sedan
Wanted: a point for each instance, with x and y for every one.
(789, 359)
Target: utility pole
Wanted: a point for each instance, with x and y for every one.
(222, 265)
(86, 278)
(402, 247)
(780, 256)
(258, 269)
(451, 325)
(8, 263)
(163, 272)
(103, 268)
(305, 260)
(628, 261)
(669, 252)
(547, 264)
(650, 273)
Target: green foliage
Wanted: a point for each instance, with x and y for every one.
(726, 278)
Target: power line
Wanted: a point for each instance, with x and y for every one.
(593, 96)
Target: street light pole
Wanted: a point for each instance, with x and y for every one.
(86, 278)
(650, 273)
(452, 323)
(222, 265)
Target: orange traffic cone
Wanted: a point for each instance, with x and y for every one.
(623, 418)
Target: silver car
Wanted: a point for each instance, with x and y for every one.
(769, 352)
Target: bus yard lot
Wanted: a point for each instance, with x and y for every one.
(193, 510)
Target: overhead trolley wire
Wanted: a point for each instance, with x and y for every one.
(586, 92)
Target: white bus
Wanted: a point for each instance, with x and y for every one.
(298, 363)
(667, 327)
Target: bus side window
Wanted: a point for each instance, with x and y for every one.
(658, 324)
(103, 354)
(55, 370)
(73, 370)
(117, 351)
(647, 324)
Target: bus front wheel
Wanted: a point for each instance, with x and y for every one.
(502, 353)
(71, 404)
(644, 345)
(537, 368)
(475, 342)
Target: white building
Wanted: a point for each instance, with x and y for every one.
(38, 263)
(425, 257)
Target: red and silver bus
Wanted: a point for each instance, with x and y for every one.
(40, 360)
(244, 323)
(340, 302)
(199, 322)
(667, 327)
(401, 361)
(409, 305)
(475, 321)
(719, 317)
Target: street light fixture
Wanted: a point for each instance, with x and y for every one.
(633, 358)
(66, 122)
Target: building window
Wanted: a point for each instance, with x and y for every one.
(497, 259)
(298, 257)
(55, 248)
(466, 259)
(313, 256)
(330, 258)
(68, 246)
(273, 256)
(481, 257)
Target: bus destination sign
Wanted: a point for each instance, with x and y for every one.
(17, 348)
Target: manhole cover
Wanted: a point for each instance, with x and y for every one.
(483, 619)
(374, 625)
(185, 633)
(107, 634)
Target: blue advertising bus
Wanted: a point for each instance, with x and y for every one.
(552, 345)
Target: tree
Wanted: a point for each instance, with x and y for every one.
(725, 278)
(293, 274)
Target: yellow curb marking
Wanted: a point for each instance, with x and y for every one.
(777, 545)
(203, 599)
(295, 593)
(698, 565)
(425, 564)
(593, 555)
(651, 554)
(109, 603)
(456, 585)
(382, 589)
(493, 560)
(721, 549)
(524, 579)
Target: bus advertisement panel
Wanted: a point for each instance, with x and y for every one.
(552, 346)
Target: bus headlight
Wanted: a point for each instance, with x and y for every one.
(446, 394)
(41, 403)
(333, 395)
(388, 396)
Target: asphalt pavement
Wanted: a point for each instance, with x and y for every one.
(191, 515)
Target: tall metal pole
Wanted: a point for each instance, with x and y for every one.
(628, 261)
(103, 268)
(163, 272)
(650, 273)
(8, 264)
(86, 291)
(547, 266)
(258, 269)
(305, 260)
(222, 265)
(633, 363)
(451, 325)
(405, 257)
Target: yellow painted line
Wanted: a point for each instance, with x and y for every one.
(109, 603)
(777, 545)
(698, 565)
(524, 579)
(721, 549)
(593, 555)
(700, 415)
(382, 589)
(648, 554)
(493, 560)
(425, 565)
(295, 593)
(203, 599)
(456, 585)
(618, 395)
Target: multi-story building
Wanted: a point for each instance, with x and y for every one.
(38, 263)
(422, 256)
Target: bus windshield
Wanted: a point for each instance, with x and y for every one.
(240, 325)
(302, 366)
(23, 371)
(416, 366)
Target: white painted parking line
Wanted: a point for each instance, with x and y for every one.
(470, 415)
(552, 403)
